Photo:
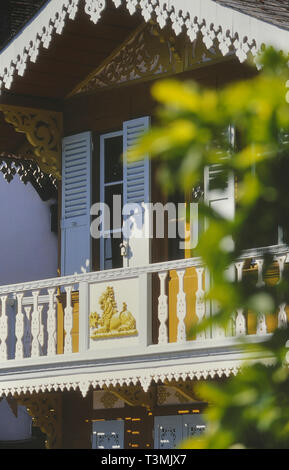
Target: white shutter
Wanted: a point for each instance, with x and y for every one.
(221, 200)
(136, 196)
(76, 202)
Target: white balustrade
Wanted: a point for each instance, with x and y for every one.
(261, 317)
(68, 321)
(240, 320)
(163, 311)
(3, 329)
(27, 331)
(200, 303)
(19, 329)
(29, 311)
(31, 332)
(282, 315)
(35, 326)
(51, 324)
(181, 309)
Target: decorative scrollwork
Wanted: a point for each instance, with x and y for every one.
(94, 8)
(45, 409)
(28, 172)
(134, 395)
(147, 53)
(182, 16)
(43, 130)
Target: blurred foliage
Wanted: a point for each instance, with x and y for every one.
(194, 129)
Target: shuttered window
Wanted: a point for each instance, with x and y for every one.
(221, 199)
(76, 202)
(136, 195)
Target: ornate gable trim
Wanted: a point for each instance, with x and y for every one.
(233, 30)
(148, 53)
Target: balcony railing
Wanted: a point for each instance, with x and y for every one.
(125, 311)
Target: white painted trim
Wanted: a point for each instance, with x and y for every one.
(99, 372)
(126, 273)
(102, 185)
(234, 30)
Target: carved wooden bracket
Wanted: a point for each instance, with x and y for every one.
(185, 389)
(43, 130)
(45, 409)
(134, 395)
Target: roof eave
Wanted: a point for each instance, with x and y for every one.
(232, 29)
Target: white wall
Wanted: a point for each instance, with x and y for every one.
(28, 248)
(28, 251)
(14, 428)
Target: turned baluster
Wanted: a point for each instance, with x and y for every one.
(68, 321)
(19, 329)
(200, 302)
(261, 317)
(3, 329)
(240, 321)
(163, 310)
(282, 315)
(181, 309)
(35, 326)
(51, 324)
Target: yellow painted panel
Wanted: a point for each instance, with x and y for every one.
(190, 289)
(60, 323)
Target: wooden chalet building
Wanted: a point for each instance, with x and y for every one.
(100, 354)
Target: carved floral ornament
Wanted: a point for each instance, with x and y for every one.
(233, 30)
(148, 52)
(43, 130)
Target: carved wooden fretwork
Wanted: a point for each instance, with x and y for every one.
(28, 172)
(43, 130)
(162, 395)
(149, 53)
(185, 391)
(143, 55)
(134, 395)
(109, 399)
(46, 411)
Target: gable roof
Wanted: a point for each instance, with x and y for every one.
(241, 26)
(275, 12)
(14, 14)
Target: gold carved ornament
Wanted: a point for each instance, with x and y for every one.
(46, 412)
(111, 323)
(134, 395)
(43, 130)
(185, 390)
(148, 52)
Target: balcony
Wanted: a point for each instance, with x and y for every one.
(126, 325)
